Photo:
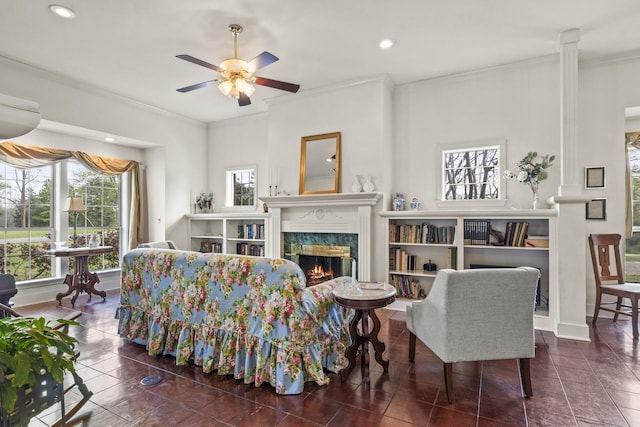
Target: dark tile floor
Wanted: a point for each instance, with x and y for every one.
(574, 383)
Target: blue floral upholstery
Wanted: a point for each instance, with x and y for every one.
(252, 317)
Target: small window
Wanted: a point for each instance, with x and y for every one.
(241, 185)
(472, 173)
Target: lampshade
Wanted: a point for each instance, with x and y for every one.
(225, 87)
(245, 87)
(74, 204)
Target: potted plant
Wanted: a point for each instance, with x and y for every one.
(33, 352)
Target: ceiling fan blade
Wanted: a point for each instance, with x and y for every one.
(260, 61)
(289, 87)
(196, 86)
(197, 61)
(243, 100)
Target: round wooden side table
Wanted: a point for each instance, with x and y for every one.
(372, 295)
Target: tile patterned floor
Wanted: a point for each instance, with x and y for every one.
(574, 383)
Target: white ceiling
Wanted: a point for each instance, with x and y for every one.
(130, 47)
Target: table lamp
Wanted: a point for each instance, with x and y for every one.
(74, 205)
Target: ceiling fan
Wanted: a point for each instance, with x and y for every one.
(237, 77)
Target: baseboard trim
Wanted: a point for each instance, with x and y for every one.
(573, 331)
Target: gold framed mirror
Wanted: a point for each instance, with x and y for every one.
(320, 164)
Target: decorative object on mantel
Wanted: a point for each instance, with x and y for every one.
(206, 202)
(415, 204)
(368, 185)
(356, 187)
(532, 173)
(398, 202)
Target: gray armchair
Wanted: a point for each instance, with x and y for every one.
(472, 315)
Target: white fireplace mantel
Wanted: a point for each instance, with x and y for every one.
(322, 213)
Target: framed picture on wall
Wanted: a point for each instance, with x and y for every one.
(594, 177)
(597, 209)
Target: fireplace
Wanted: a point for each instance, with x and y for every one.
(321, 262)
(318, 219)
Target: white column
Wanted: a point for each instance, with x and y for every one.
(570, 306)
(364, 243)
(273, 234)
(570, 173)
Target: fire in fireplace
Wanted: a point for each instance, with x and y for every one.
(321, 262)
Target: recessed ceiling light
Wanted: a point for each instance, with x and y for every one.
(109, 139)
(386, 43)
(62, 11)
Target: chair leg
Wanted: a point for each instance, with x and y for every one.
(448, 381)
(412, 346)
(634, 317)
(525, 376)
(596, 308)
(618, 306)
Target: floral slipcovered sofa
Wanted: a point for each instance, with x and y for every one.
(252, 317)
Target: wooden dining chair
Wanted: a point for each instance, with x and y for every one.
(612, 283)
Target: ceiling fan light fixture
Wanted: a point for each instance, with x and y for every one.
(226, 87)
(233, 64)
(245, 87)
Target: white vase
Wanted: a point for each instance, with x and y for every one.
(536, 202)
(356, 187)
(368, 185)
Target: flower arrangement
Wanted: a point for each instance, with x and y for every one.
(531, 172)
(205, 201)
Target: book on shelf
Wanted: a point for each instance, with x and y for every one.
(249, 249)
(406, 287)
(516, 233)
(452, 258)
(476, 231)
(537, 242)
(251, 231)
(421, 233)
(402, 261)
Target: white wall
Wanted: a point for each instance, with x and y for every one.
(237, 143)
(518, 103)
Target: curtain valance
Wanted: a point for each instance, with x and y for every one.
(31, 156)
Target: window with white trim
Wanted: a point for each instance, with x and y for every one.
(472, 173)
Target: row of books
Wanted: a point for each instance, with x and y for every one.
(476, 231)
(400, 260)
(251, 231)
(249, 249)
(516, 233)
(403, 261)
(207, 246)
(421, 233)
(406, 287)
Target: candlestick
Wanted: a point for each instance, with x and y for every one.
(353, 270)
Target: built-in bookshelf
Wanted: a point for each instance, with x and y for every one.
(420, 243)
(227, 233)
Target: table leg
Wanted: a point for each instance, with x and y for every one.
(68, 280)
(352, 350)
(89, 286)
(78, 284)
(364, 359)
(377, 345)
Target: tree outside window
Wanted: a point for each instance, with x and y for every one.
(632, 253)
(25, 212)
(100, 194)
(470, 174)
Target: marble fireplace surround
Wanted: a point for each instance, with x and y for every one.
(322, 213)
